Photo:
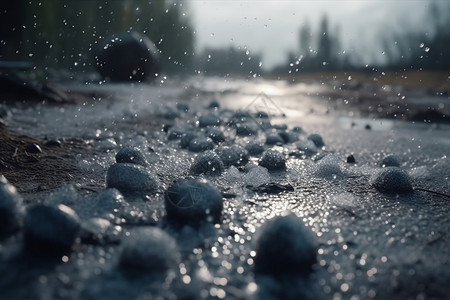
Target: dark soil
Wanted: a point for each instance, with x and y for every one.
(38, 172)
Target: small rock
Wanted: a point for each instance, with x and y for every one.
(329, 167)
(53, 143)
(208, 163)
(33, 148)
(11, 208)
(183, 106)
(215, 134)
(391, 161)
(208, 120)
(351, 159)
(191, 201)
(246, 129)
(307, 147)
(201, 144)
(187, 138)
(392, 180)
(233, 156)
(285, 247)
(274, 139)
(131, 155)
(316, 139)
(149, 250)
(214, 104)
(178, 131)
(131, 178)
(94, 230)
(273, 160)
(254, 148)
(50, 229)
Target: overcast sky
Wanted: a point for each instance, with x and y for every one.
(272, 27)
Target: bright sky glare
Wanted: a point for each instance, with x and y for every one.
(272, 27)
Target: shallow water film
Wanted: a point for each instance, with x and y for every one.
(225, 189)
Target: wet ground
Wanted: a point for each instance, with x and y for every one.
(370, 244)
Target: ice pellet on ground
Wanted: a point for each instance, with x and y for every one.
(316, 139)
(215, 134)
(187, 138)
(391, 161)
(246, 129)
(131, 178)
(232, 176)
(131, 155)
(254, 148)
(190, 201)
(284, 246)
(328, 167)
(11, 208)
(208, 120)
(201, 144)
(307, 147)
(392, 180)
(273, 160)
(176, 132)
(257, 176)
(274, 139)
(208, 163)
(50, 229)
(233, 156)
(149, 250)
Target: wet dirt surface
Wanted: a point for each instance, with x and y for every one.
(370, 244)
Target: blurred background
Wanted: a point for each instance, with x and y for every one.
(234, 38)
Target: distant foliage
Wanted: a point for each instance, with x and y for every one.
(424, 49)
(65, 33)
(229, 61)
(318, 51)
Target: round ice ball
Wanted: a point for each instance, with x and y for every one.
(50, 229)
(392, 180)
(208, 163)
(208, 120)
(246, 129)
(391, 161)
(233, 156)
(131, 178)
(187, 138)
(215, 134)
(254, 148)
(11, 208)
(328, 167)
(201, 144)
(190, 201)
(307, 147)
(273, 160)
(284, 246)
(150, 250)
(317, 140)
(274, 139)
(131, 155)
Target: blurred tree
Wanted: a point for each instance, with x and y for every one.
(324, 49)
(66, 33)
(231, 61)
(426, 48)
(11, 28)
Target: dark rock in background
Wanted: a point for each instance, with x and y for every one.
(128, 56)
